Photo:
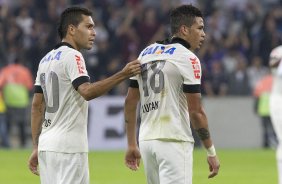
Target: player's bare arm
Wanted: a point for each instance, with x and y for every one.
(93, 90)
(132, 156)
(37, 114)
(200, 123)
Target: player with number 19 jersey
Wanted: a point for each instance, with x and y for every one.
(168, 72)
(59, 74)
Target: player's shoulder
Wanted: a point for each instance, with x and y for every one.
(191, 54)
(170, 47)
(67, 50)
(158, 51)
(60, 52)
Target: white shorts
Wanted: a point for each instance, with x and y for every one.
(276, 119)
(63, 168)
(276, 115)
(167, 162)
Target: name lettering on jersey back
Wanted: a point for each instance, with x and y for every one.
(52, 56)
(196, 67)
(79, 63)
(47, 123)
(150, 106)
(159, 49)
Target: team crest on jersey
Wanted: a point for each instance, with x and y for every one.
(196, 67)
(79, 63)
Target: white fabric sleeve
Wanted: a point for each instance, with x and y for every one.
(75, 66)
(190, 68)
(139, 58)
(37, 79)
(279, 68)
(37, 84)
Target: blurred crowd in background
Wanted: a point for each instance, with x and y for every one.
(240, 35)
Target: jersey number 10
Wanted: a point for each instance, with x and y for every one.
(54, 81)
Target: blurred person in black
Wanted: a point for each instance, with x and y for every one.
(215, 83)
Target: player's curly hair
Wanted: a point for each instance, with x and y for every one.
(71, 16)
(183, 15)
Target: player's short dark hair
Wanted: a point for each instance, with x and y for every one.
(71, 16)
(183, 15)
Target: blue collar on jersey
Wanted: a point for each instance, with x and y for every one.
(175, 40)
(63, 44)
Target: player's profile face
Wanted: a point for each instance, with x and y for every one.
(85, 33)
(197, 34)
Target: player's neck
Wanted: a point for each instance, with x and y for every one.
(184, 40)
(71, 42)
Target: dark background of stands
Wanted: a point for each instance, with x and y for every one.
(239, 36)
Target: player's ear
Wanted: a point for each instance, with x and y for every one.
(71, 29)
(184, 30)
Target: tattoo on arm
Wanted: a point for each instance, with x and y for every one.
(203, 133)
(126, 121)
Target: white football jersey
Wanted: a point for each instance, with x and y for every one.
(59, 74)
(277, 81)
(168, 70)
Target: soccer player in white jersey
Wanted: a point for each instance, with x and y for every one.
(169, 92)
(276, 101)
(60, 107)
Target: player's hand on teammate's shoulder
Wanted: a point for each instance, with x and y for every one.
(132, 68)
(213, 166)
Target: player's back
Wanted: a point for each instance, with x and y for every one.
(164, 110)
(64, 127)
